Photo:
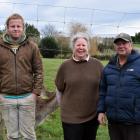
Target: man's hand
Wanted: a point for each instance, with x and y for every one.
(102, 118)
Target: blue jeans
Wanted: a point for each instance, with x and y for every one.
(19, 117)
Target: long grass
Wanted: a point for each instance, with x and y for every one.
(51, 128)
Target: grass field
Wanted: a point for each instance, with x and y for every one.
(51, 128)
(136, 45)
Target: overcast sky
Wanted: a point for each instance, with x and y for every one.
(99, 16)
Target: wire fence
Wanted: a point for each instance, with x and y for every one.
(98, 21)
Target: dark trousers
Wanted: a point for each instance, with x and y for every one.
(83, 131)
(124, 132)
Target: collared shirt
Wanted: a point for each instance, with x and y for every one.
(85, 59)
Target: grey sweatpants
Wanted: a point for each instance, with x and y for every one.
(19, 117)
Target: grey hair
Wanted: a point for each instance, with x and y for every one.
(77, 36)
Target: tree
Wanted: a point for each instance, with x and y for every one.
(49, 47)
(136, 38)
(106, 44)
(30, 30)
(77, 27)
(49, 30)
(93, 46)
(63, 42)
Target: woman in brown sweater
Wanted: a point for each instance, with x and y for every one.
(78, 82)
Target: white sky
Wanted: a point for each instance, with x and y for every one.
(100, 16)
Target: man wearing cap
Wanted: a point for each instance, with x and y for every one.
(120, 91)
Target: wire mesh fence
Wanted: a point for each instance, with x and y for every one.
(98, 21)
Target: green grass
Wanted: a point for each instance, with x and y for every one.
(51, 128)
(50, 69)
(136, 45)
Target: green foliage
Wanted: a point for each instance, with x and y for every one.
(30, 30)
(106, 44)
(136, 38)
(108, 53)
(65, 50)
(51, 128)
(49, 47)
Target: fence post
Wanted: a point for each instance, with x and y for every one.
(2, 128)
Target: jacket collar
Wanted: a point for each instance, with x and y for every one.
(7, 39)
(131, 57)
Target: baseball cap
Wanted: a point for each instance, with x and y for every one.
(123, 36)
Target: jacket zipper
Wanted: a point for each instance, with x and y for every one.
(116, 101)
(15, 56)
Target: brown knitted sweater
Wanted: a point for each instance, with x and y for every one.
(79, 84)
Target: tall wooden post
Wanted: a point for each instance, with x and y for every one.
(2, 128)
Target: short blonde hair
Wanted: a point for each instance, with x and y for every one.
(14, 16)
(77, 36)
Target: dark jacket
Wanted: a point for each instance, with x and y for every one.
(21, 72)
(120, 90)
